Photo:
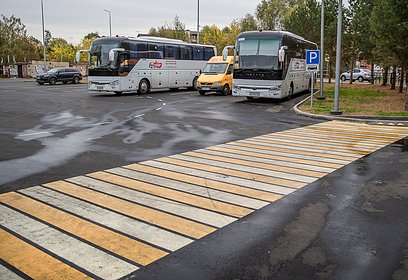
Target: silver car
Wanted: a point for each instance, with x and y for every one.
(360, 74)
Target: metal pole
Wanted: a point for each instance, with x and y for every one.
(338, 57)
(321, 95)
(45, 47)
(110, 23)
(198, 21)
(311, 91)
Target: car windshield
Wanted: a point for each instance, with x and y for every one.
(216, 68)
(99, 52)
(53, 70)
(258, 53)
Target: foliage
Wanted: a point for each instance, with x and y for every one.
(175, 30)
(271, 13)
(14, 42)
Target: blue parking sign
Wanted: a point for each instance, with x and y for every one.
(312, 57)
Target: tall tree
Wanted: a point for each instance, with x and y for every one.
(271, 13)
(248, 23)
(175, 30)
(14, 42)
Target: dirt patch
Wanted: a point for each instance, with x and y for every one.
(402, 273)
(314, 256)
(300, 233)
(377, 191)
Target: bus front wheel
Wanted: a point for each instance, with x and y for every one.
(144, 87)
(290, 92)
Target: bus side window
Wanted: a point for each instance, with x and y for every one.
(198, 53)
(171, 52)
(208, 53)
(155, 51)
(185, 52)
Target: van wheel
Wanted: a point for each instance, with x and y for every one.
(226, 90)
(144, 87)
(53, 81)
(194, 84)
(202, 92)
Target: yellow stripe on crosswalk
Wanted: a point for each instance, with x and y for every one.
(288, 150)
(241, 174)
(177, 224)
(202, 202)
(205, 182)
(274, 157)
(256, 164)
(34, 262)
(121, 245)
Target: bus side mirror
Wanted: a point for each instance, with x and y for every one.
(112, 53)
(78, 55)
(225, 52)
(282, 53)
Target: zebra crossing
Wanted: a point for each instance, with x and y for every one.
(108, 224)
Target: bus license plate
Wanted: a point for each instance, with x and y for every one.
(99, 87)
(254, 93)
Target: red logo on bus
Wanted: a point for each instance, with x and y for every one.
(155, 65)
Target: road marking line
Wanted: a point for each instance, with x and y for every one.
(246, 168)
(132, 227)
(36, 133)
(34, 262)
(312, 161)
(236, 173)
(221, 177)
(163, 204)
(157, 109)
(253, 162)
(121, 245)
(164, 220)
(189, 188)
(208, 183)
(193, 200)
(101, 123)
(315, 145)
(294, 153)
(141, 115)
(65, 247)
(305, 151)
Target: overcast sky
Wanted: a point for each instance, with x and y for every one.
(73, 19)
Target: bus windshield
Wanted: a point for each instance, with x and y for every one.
(99, 53)
(215, 68)
(258, 53)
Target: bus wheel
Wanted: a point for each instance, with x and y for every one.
(194, 84)
(226, 89)
(202, 92)
(290, 92)
(144, 87)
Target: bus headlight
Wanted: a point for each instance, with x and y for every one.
(114, 83)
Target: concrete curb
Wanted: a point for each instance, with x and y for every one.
(403, 120)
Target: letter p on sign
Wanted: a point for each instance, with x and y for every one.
(312, 57)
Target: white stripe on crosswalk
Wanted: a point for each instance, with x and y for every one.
(71, 249)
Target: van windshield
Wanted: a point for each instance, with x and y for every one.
(215, 68)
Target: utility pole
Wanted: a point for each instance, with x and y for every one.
(42, 18)
(338, 57)
(110, 23)
(198, 21)
(321, 95)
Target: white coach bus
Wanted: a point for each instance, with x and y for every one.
(270, 64)
(126, 64)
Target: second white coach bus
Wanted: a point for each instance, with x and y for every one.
(126, 64)
(270, 64)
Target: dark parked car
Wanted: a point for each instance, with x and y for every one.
(64, 75)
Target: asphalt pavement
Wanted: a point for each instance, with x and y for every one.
(173, 185)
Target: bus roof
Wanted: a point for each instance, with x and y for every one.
(269, 33)
(150, 39)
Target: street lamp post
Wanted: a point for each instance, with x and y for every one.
(338, 57)
(198, 21)
(110, 22)
(43, 31)
(321, 95)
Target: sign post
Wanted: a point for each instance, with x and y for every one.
(312, 64)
